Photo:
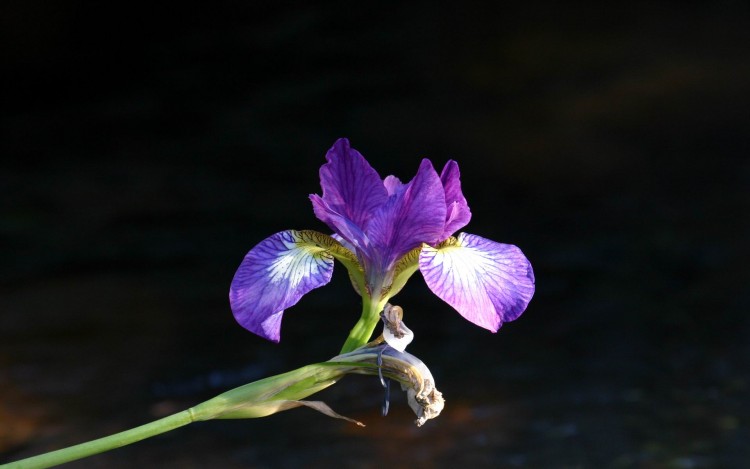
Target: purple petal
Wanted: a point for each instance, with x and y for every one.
(458, 213)
(273, 276)
(343, 242)
(413, 215)
(392, 183)
(488, 283)
(346, 228)
(352, 189)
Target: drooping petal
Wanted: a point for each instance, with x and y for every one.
(352, 189)
(274, 275)
(488, 283)
(414, 214)
(458, 213)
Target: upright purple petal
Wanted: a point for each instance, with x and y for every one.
(273, 276)
(458, 213)
(392, 183)
(351, 187)
(488, 283)
(413, 215)
(345, 227)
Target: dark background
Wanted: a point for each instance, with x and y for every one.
(146, 149)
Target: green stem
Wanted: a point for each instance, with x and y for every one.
(249, 401)
(107, 443)
(363, 329)
(253, 400)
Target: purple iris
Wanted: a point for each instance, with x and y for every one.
(385, 230)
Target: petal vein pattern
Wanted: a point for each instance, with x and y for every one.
(414, 214)
(488, 283)
(352, 191)
(274, 275)
(350, 185)
(458, 213)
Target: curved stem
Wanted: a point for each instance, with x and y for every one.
(107, 443)
(252, 400)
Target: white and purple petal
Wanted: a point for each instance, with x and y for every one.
(488, 283)
(413, 215)
(458, 213)
(273, 276)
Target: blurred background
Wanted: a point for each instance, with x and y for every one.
(146, 149)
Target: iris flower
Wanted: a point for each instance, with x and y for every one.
(384, 231)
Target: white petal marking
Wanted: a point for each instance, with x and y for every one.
(274, 275)
(488, 283)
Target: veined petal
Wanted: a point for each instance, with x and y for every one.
(351, 187)
(349, 246)
(458, 213)
(356, 272)
(488, 283)
(404, 269)
(274, 275)
(343, 226)
(414, 214)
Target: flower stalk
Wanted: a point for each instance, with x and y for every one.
(365, 326)
(384, 231)
(269, 396)
(118, 440)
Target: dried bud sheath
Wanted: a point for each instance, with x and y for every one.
(415, 378)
